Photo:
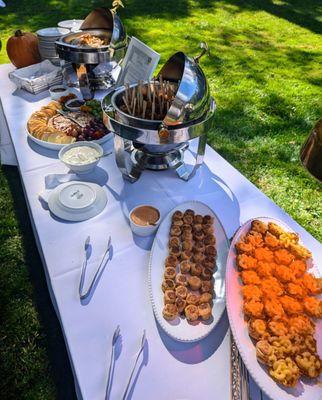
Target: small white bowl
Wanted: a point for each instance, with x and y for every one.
(55, 95)
(81, 168)
(76, 108)
(144, 230)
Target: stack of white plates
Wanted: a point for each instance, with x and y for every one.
(47, 38)
(72, 24)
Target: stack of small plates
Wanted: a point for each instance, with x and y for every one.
(47, 38)
(77, 201)
(72, 24)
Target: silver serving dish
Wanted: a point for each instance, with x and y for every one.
(159, 144)
(83, 59)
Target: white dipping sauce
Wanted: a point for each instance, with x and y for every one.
(81, 155)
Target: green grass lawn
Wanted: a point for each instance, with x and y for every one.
(265, 73)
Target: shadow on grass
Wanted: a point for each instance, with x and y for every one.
(51, 334)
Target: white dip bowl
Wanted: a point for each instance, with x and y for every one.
(74, 156)
(141, 229)
(57, 91)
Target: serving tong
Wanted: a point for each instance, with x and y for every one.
(82, 294)
(134, 366)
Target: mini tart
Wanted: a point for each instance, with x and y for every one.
(170, 312)
(198, 219)
(181, 304)
(187, 245)
(171, 261)
(186, 228)
(186, 235)
(177, 215)
(265, 352)
(198, 257)
(207, 286)
(194, 282)
(309, 364)
(168, 284)
(204, 311)
(285, 372)
(210, 250)
(196, 269)
(174, 241)
(186, 255)
(257, 329)
(181, 279)
(181, 291)
(169, 297)
(210, 263)
(207, 229)
(177, 222)
(205, 298)
(185, 266)
(175, 251)
(206, 274)
(192, 298)
(199, 247)
(196, 227)
(253, 309)
(191, 312)
(175, 231)
(259, 226)
(277, 327)
(198, 236)
(210, 239)
(189, 212)
(169, 273)
(208, 219)
(188, 219)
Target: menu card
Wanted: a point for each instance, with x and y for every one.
(139, 63)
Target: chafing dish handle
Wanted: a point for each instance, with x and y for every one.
(123, 149)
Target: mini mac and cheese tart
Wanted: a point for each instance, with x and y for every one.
(191, 312)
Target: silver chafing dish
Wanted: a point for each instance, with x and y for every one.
(92, 65)
(159, 144)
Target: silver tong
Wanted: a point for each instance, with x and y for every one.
(112, 360)
(102, 263)
(134, 366)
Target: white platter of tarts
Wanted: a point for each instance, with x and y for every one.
(187, 272)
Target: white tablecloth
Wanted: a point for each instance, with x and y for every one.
(172, 370)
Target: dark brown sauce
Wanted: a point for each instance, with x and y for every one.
(75, 103)
(57, 90)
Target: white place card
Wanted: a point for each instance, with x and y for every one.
(139, 63)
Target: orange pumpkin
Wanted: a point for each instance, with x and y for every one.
(22, 49)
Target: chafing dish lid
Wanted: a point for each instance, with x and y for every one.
(105, 19)
(192, 100)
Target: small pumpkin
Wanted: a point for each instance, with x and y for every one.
(22, 49)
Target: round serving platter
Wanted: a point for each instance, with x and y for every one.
(305, 390)
(180, 329)
(58, 146)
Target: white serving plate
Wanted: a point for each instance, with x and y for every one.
(63, 202)
(58, 146)
(180, 329)
(304, 390)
